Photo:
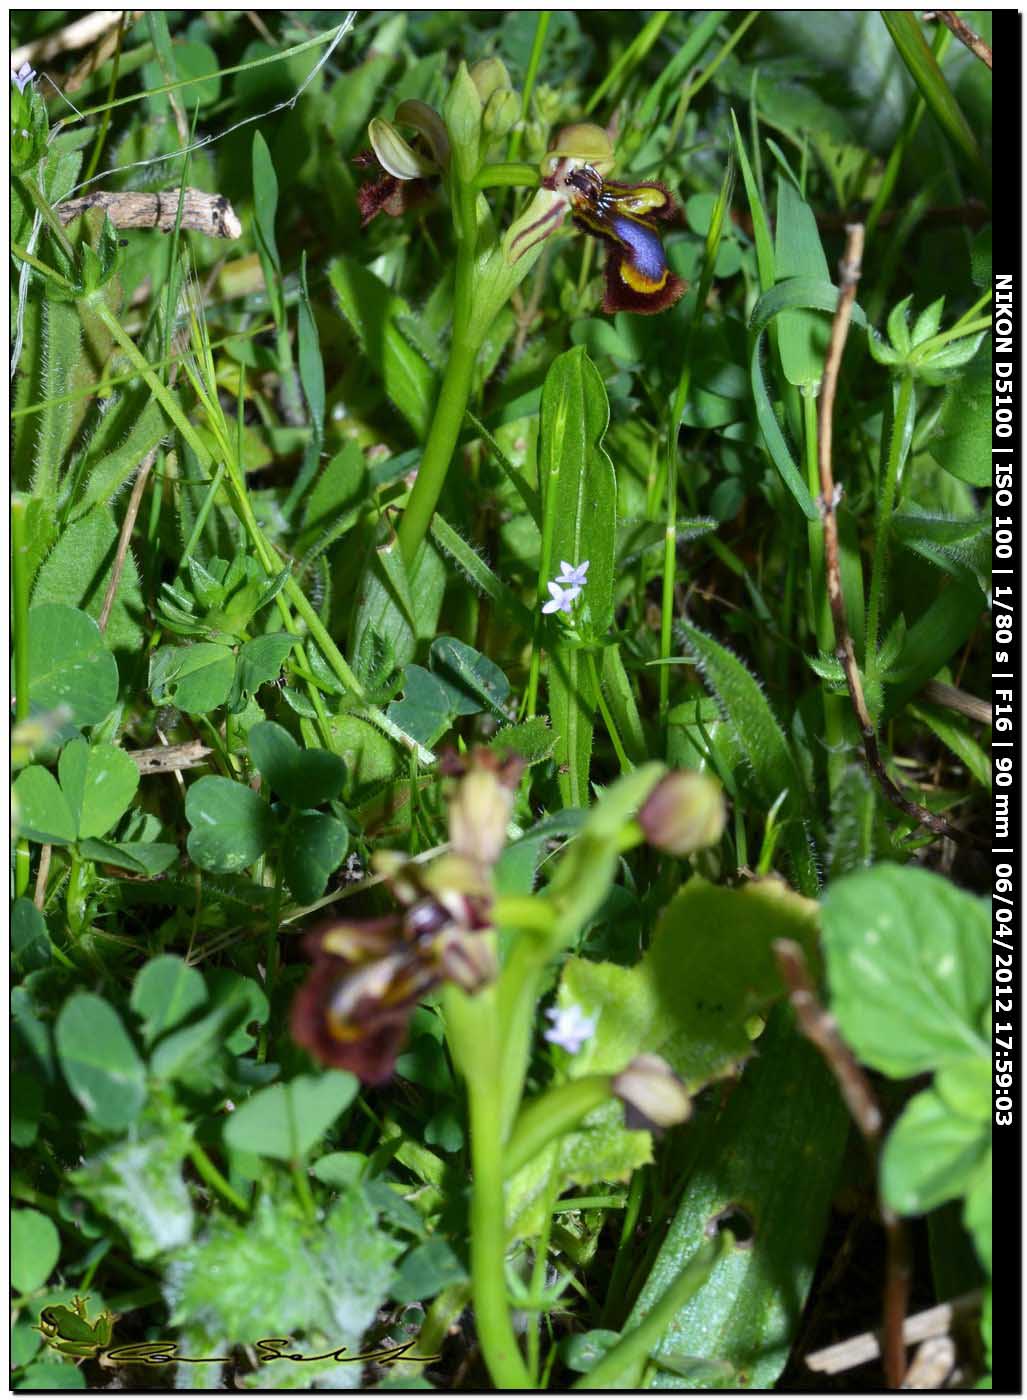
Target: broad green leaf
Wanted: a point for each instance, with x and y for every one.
(853, 817)
(533, 740)
(99, 783)
(784, 1123)
(139, 1186)
(99, 1061)
(579, 502)
(425, 712)
(930, 1155)
(231, 827)
(196, 679)
(709, 969)
(127, 433)
(232, 988)
(35, 1247)
(69, 664)
(286, 1120)
(933, 640)
(166, 990)
(300, 777)
(196, 1044)
(907, 961)
(372, 311)
(977, 1213)
(312, 851)
(41, 811)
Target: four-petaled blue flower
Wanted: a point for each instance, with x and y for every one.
(571, 1027)
(574, 577)
(561, 599)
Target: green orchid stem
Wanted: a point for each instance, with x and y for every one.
(621, 1367)
(214, 1179)
(885, 507)
(472, 1031)
(454, 396)
(20, 623)
(551, 1115)
(455, 392)
(515, 173)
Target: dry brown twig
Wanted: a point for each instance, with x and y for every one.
(171, 758)
(963, 33)
(820, 1027)
(849, 273)
(211, 214)
(76, 35)
(938, 1321)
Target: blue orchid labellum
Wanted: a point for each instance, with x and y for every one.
(638, 277)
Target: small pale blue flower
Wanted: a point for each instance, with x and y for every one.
(560, 599)
(571, 1027)
(23, 76)
(576, 577)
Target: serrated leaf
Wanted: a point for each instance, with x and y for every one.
(139, 1186)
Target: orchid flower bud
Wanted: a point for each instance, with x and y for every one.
(652, 1094)
(489, 75)
(683, 813)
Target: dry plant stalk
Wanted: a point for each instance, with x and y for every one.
(938, 1321)
(849, 273)
(201, 212)
(964, 34)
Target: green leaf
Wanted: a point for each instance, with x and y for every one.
(78, 571)
(977, 1215)
(196, 1044)
(373, 311)
(99, 1061)
(930, 1155)
(265, 199)
(286, 1120)
(784, 1123)
(301, 777)
(41, 810)
(99, 783)
(962, 440)
(139, 1186)
(166, 990)
(260, 661)
(908, 38)
(196, 679)
(35, 1248)
(312, 851)
(709, 969)
(907, 960)
(425, 712)
(473, 682)
(401, 607)
(761, 741)
(248, 1000)
(30, 940)
(148, 858)
(534, 740)
(426, 1271)
(802, 334)
(231, 826)
(69, 664)
(579, 501)
(51, 1375)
